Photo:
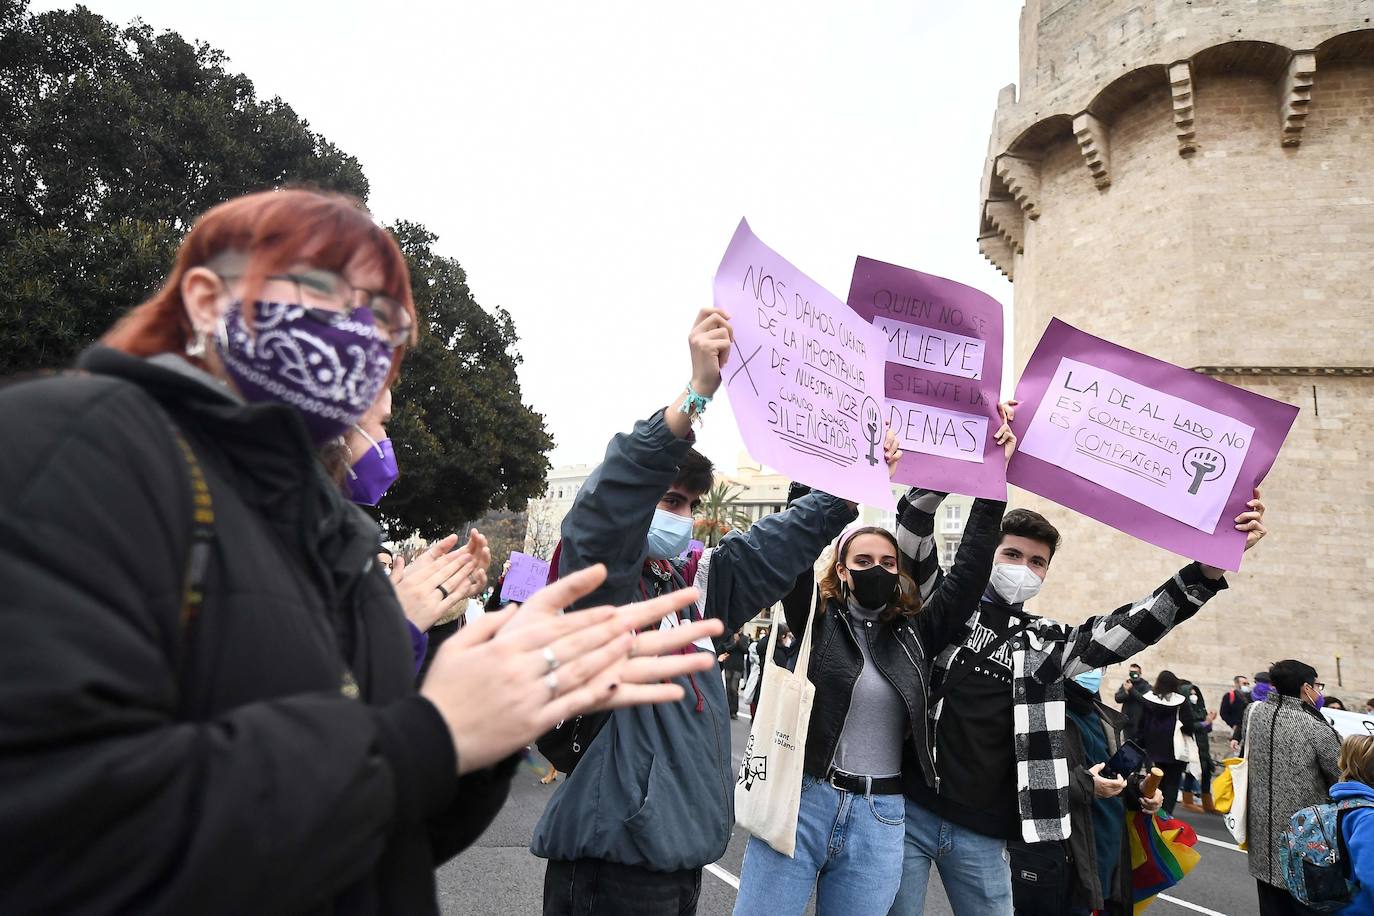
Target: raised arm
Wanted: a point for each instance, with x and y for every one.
(754, 569)
(609, 520)
(958, 593)
(1130, 629)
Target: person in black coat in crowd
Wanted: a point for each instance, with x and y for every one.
(731, 658)
(209, 704)
(1128, 697)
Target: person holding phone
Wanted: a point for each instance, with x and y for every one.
(1103, 784)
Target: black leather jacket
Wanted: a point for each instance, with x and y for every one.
(898, 647)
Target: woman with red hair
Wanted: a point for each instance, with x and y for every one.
(208, 703)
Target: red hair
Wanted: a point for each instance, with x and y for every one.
(274, 229)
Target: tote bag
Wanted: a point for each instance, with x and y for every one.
(1240, 780)
(768, 791)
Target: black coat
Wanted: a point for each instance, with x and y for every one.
(898, 647)
(270, 757)
(1131, 705)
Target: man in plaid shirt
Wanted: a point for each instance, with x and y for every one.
(998, 726)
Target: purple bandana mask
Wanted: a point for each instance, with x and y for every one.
(373, 474)
(331, 373)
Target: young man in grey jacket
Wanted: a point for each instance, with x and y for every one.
(652, 800)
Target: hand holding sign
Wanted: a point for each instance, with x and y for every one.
(710, 342)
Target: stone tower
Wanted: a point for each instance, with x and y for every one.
(1194, 179)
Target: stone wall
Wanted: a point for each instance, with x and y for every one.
(1171, 185)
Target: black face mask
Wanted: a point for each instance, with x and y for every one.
(874, 587)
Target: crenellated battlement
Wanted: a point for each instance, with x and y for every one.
(1025, 130)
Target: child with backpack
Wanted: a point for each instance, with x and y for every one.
(1357, 825)
(1328, 849)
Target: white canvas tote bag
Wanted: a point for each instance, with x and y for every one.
(768, 791)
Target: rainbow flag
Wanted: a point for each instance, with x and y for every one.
(1161, 854)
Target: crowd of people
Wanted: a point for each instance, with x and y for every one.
(223, 695)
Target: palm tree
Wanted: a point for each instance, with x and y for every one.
(719, 514)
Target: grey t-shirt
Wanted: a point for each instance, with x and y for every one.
(876, 724)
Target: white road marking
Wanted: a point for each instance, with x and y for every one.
(1188, 906)
(728, 878)
(1231, 846)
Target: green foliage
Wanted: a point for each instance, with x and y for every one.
(113, 139)
(464, 441)
(719, 514)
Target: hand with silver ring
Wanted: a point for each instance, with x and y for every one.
(438, 582)
(511, 654)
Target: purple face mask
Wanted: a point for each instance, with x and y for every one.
(373, 473)
(331, 373)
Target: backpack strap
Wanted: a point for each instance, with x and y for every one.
(202, 535)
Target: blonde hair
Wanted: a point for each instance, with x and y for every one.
(1357, 759)
(908, 603)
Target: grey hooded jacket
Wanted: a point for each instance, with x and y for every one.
(655, 789)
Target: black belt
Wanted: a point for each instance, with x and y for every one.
(864, 785)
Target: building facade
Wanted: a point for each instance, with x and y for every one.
(1194, 179)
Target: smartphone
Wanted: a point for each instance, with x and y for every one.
(1127, 759)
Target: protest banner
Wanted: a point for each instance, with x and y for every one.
(1164, 454)
(805, 377)
(526, 576)
(1348, 723)
(942, 375)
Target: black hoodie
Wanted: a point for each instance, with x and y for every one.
(272, 756)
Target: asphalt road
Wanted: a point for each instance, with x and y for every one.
(500, 876)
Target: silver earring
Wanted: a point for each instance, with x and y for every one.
(196, 347)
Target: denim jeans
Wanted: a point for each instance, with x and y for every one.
(849, 850)
(973, 867)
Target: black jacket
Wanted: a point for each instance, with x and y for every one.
(271, 756)
(898, 647)
(734, 649)
(1232, 710)
(1131, 704)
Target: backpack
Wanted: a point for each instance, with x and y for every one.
(1316, 865)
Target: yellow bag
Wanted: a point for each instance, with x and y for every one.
(1223, 787)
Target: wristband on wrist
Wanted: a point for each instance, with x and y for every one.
(694, 405)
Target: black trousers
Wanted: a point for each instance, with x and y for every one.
(1276, 901)
(1173, 779)
(732, 679)
(593, 887)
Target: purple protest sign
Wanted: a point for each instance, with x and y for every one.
(942, 378)
(805, 376)
(526, 576)
(1159, 452)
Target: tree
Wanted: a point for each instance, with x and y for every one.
(464, 441)
(719, 514)
(541, 529)
(113, 139)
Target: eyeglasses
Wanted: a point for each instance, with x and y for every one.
(330, 299)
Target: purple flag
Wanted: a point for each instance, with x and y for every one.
(526, 576)
(1164, 454)
(805, 377)
(943, 375)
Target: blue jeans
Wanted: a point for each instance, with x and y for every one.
(973, 867)
(849, 850)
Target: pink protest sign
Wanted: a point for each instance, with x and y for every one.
(526, 576)
(805, 378)
(1159, 452)
(942, 377)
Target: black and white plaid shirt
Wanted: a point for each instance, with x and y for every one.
(1042, 657)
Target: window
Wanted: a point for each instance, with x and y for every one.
(954, 512)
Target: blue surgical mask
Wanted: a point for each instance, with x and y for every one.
(669, 535)
(1090, 680)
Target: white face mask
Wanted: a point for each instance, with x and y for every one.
(1014, 583)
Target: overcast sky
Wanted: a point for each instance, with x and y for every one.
(587, 162)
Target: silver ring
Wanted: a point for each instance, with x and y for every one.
(443, 591)
(550, 658)
(551, 682)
